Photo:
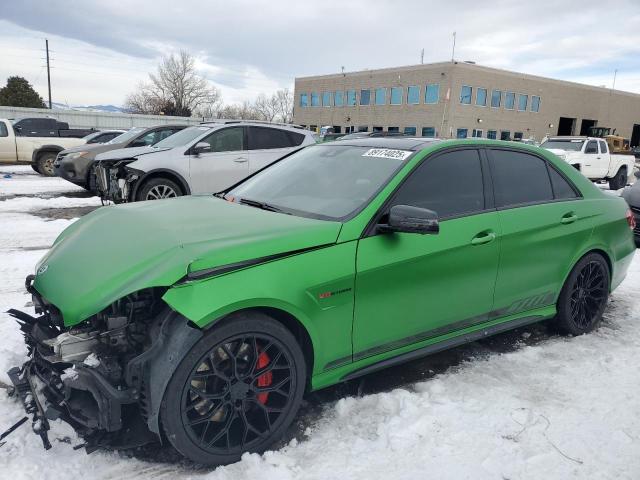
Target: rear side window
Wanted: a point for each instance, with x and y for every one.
(561, 188)
(263, 138)
(432, 185)
(3, 130)
(603, 146)
(519, 178)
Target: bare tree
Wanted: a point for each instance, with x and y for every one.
(176, 89)
(266, 107)
(284, 105)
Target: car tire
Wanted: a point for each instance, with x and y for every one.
(45, 164)
(620, 180)
(215, 409)
(584, 296)
(159, 188)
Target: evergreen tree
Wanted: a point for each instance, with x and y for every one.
(20, 93)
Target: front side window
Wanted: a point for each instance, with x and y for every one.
(410, 131)
(326, 99)
(432, 186)
(496, 98)
(413, 95)
(339, 99)
(396, 95)
(481, 97)
(128, 135)
(535, 103)
(351, 98)
(263, 138)
(3, 130)
(429, 132)
(432, 93)
(328, 181)
(226, 140)
(492, 134)
(462, 133)
(519, 178)
(365, 97)
(304, 100)
(315, 99)
(465, 95)
(381, 96)
(510, 100)
(522, 102)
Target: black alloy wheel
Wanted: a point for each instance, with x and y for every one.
(238, 396)
(584, 295)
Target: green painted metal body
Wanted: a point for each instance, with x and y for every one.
(361, 298)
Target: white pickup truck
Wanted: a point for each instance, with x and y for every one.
(591, 156)
(40, 152)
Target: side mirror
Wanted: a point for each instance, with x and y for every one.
(408, 219)
(201, 147)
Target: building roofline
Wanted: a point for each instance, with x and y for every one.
(470, 66)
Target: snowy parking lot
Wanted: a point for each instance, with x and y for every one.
(527, 404)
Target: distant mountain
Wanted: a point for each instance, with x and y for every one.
(90, 108)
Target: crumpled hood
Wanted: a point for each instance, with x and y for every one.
(94, 148)
(131, 152)
(117, 250)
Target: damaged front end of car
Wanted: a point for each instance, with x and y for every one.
(105, 376)
(115, 181)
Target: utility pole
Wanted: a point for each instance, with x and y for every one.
(615, 74)
(453, 52)
(46, 44)
(422, 57)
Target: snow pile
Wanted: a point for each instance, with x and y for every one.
(560, 408)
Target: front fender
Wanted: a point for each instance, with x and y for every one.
(315, 287)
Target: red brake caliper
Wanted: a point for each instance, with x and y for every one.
(265, 379)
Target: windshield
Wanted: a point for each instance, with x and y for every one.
(323, 181)
(181, 138)
(128, 135)
(573, 145)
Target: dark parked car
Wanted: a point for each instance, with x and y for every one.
(632, 196)
(75, 163)
(103, 136)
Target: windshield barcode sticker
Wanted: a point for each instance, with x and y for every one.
(387, 153)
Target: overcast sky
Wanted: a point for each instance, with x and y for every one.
(101, 50)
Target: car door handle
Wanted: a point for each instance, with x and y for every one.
(240, 160)
(569, 218)
(483, 237)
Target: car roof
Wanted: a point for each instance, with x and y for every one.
(401, 143)
(255, 123)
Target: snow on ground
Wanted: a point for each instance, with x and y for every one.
(23, 180)
(557, 408)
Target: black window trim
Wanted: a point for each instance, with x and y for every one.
(370, 229)
(576, 190)
(289, 134)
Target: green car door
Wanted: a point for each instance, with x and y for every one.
(545, 223)
(412, 287)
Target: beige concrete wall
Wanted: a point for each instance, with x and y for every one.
(614, 109)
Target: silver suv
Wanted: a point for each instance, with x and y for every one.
(201, 159)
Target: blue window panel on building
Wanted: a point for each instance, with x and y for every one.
(396, 95)
(481, 97)
(326, 99)
(496, 98)
(413, 95)
(351, 98)
(509, 100)
(535, 103)
(304, 100)
(315, 99)
(338, 99)
(462, 133)
(428, 132)
(465, 94)
(522, 102)
(432, 93)
(365, 97)
(381, 96)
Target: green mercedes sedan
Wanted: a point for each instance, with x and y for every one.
(200, 322)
